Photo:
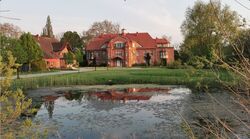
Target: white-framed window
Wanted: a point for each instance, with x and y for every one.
(163, 54)
(118, 53)
(119, 44)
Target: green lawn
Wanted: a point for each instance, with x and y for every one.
(188, 77)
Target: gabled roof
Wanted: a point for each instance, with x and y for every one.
(143, 39)
(161, 41)
(97, 42)
(50, 46)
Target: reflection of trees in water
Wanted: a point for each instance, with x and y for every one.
(49, 105)
(74, 96)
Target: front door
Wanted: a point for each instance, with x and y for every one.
(118, 62)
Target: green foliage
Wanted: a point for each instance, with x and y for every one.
(31, 47)
(48, 30)
(197, 62)
(175, 65)
(69, 57)
(73, 39)
(79, 56)
(177, 55)
(39, 65)
(13, 45)
(5, 44)
(13, 104)
(203, 33)
(6, 70)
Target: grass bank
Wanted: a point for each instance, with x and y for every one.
(188, 77)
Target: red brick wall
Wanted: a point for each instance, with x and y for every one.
(170, 52)
(53, 63)
(131, 53)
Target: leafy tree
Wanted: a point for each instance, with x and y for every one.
(13, 45)
(48, 30)
(69, 57)
(98, 28)
(203, 35)
(73, 39)
(176, 55)
(31, 47)
(79, 56)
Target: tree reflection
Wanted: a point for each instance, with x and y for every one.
(49, 104)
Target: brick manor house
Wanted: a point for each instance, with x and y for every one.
(128, 49)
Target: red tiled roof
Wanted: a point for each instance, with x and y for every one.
(144, 39)
(50, 46)
(161, 41)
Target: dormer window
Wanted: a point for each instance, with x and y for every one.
(119, 45)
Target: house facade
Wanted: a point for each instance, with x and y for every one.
(53, 51)
(128, 49)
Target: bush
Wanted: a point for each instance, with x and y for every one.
(39, 65)
(175, 65)
(139, 65)
(197, 62)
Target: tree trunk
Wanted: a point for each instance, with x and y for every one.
(29, 67)
(17, 73)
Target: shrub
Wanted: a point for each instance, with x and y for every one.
(175, 65)
(139, 65)
(39, 65)
(197, 62)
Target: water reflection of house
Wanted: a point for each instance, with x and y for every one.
(126, 94)
(132, 90)
(113, 95)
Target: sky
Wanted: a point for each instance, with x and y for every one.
(157, 17)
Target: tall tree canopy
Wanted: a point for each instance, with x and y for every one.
(31, 46)
(14, 46)
(73, 39)
(48, 30)
(203, 33)
(98, 28)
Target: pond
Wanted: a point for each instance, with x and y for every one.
(122, 112)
